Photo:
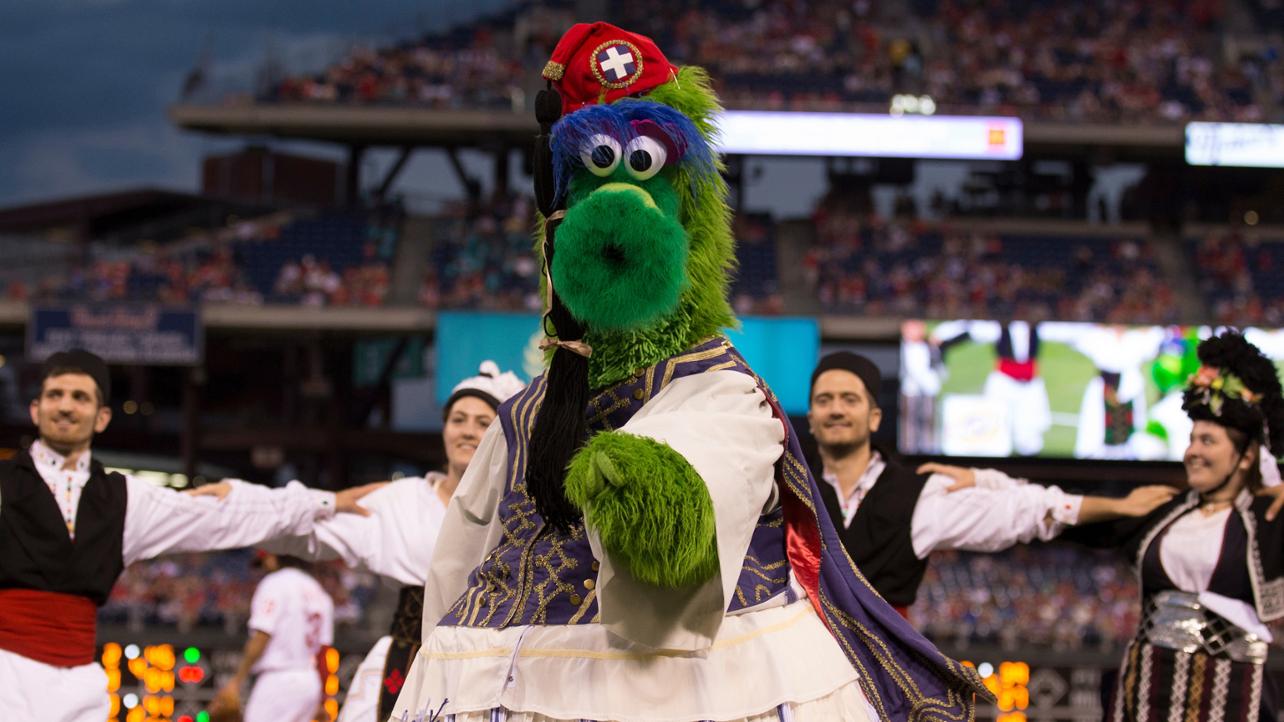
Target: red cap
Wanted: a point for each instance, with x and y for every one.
(600, 63)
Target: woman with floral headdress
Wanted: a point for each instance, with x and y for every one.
(1211, 561)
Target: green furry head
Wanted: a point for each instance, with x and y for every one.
(643, 257)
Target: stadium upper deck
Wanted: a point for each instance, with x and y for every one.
(1156, 63)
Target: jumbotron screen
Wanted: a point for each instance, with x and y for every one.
(1050, 389)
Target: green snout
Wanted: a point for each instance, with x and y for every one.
(621, 255)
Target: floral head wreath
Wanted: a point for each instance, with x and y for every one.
(1218, 384)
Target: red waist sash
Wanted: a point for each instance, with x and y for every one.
(50, 627)
(1018, 370)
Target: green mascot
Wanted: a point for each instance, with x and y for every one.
(637, 537)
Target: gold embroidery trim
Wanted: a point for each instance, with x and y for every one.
(554, 70)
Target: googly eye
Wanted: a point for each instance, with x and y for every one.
(645, 157)
(601, 155)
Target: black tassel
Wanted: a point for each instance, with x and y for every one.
(548, 108)
(559, 429)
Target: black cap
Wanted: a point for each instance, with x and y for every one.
(78, 360)
(854, 363)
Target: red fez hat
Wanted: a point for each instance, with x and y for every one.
(600, 63)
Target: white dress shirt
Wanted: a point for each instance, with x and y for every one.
(995, 514)
(66, 484)
(160, 520)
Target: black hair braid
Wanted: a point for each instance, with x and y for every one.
(559, 428)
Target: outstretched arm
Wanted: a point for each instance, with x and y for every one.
(987, 519)
(985, 510)
(1139, 502)
(395, 541)
(356, 538)
(160, 521)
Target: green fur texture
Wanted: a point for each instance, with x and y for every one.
(636, 277)
(702, 309)
(649, 506)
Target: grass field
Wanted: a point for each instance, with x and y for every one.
(1065, 372)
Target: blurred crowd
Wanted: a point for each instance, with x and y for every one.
(1236, 272)
(342, 261)
(861, 263)
(312, 282)
(474, 77)
(1056, 596)
(1101, 61)
(755, 289)
(485, 65)
(483, 258)
(186, 591)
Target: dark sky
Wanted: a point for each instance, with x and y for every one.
(86, 82)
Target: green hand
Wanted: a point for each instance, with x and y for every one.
(649, 506)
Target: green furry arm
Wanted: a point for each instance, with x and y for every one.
(649, 506)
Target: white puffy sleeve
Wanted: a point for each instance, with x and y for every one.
(160, 520)
(990, 517)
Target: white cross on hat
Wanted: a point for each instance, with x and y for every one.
(618, 64)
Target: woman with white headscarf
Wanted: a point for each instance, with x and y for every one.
(397, 540)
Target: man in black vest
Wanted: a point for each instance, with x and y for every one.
(891, 518)
(68, 528)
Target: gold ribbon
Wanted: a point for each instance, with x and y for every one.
(578, 347)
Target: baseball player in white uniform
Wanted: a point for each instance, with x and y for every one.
(291, 620)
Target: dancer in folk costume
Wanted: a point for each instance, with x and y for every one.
(891, 518)
(397, 540)
(68, 528)
(1211, 560)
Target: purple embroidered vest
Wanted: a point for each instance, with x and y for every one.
(538, 575)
